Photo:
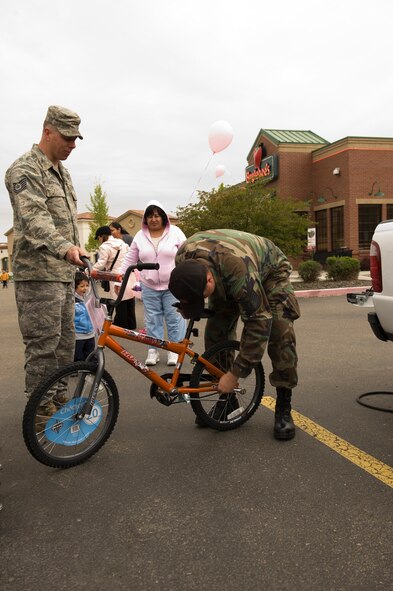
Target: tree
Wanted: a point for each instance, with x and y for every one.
(99, 209)
(251, 207)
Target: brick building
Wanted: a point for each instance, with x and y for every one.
(347, 185)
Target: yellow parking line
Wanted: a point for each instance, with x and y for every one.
(355, 455)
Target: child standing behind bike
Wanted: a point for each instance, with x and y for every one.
(84, 330)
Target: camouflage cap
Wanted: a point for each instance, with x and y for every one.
(66, 122)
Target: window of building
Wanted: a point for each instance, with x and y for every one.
(369, 218)
(389, 211)
(337, 227)
(322, 235)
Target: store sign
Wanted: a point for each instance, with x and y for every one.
(268, 170)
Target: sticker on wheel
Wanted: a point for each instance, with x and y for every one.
(63, 429)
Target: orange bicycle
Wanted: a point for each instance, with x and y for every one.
(72, 413)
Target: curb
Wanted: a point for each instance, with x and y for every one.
(338, 291)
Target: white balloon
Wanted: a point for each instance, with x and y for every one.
(220, 170)
(220, 136)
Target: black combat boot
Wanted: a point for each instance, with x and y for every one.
(284, 427)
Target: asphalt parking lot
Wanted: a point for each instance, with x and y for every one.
(165, 505)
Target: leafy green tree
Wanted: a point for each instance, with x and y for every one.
(251, 207)
(99, 209)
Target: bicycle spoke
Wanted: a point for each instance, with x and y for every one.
(226, 411)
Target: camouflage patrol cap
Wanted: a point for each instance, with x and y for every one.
(66, 122)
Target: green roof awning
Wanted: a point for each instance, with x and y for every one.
(288, 136)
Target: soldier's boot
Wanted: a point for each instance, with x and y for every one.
(60, 398)
(284, 427)
(60, 394)
(44, 413)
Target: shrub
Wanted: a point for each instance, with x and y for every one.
(310, 270)
(342, 268)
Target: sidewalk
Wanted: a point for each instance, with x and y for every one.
(363, 276)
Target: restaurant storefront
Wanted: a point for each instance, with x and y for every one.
(346, 186)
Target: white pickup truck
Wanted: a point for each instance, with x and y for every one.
(380, 296)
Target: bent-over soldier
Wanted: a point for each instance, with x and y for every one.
(244, 276)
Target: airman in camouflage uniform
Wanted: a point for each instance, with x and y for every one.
(46, 245)
(245, 276)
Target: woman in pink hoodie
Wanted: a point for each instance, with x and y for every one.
(157, 242)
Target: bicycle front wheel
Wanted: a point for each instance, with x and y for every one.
(52, 432)
(226, 411)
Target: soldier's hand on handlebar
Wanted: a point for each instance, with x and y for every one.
(73, 255)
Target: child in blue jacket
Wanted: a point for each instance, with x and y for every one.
(84, 330)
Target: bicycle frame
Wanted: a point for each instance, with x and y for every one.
(182, 349)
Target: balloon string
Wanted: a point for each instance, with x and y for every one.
(202, 175)
(232, 176)
(221, 179)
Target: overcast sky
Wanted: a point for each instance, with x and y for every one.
(149, 79)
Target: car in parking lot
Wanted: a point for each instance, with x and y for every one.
(380, 296)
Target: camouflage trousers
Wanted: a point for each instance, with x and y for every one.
(46, 321)
(282, 306)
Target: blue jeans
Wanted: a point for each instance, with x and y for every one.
(158, 308)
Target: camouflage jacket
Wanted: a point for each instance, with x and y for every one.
(45, 218)
(251, 274)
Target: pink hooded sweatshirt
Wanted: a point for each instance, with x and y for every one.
(142, 249)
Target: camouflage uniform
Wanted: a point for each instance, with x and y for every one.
(45, 228)
(251, 277)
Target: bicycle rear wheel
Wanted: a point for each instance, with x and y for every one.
(52, 433)
(225, 412)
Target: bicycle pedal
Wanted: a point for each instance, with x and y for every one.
(163, 398)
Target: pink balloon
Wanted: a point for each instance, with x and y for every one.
(220, 170)
(220, 136)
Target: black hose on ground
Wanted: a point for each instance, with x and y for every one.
(360, 400)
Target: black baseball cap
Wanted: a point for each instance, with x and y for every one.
(103, 231)
(187, 283)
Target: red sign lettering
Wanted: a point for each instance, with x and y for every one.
(264, 172)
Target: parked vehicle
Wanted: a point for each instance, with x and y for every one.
(380, 296)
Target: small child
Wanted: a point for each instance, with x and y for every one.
(84, 330)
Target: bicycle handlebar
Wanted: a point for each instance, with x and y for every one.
(111, 276)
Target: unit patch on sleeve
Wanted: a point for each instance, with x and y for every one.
(20, 185)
